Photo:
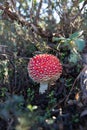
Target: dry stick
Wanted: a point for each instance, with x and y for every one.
(74, 83)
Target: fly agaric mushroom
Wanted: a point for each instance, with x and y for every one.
(44, 68)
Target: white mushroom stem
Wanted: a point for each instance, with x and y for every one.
(43, 87)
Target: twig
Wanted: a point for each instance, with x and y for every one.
(75, 83)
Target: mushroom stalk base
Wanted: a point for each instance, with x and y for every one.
(43, 87)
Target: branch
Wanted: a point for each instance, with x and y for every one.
(15, 16)
(38, 11)
(14, 4)
(20, 19)
(85, 2)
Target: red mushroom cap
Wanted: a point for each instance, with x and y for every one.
(44, 67)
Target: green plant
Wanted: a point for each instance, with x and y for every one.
(12, 110)
(75, 44)
(31, 108)
(26, 120)
(68, 83)
(3, 71)
(51, 103)
(12, 106)
(30, 95)
(75, 118)
(52, 99)
(3, 91)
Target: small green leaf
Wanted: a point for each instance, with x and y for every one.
(73, 58)
(31, 108)
(76, 35)
(80, 43)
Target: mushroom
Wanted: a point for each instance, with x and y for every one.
(44, 68)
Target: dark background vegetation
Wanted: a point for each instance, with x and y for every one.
(30, 27)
